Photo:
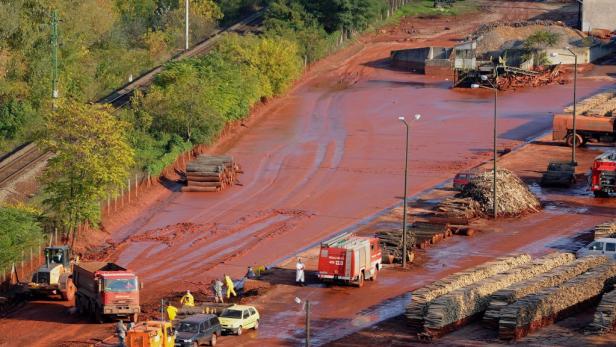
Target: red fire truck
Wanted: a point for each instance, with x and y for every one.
(349, 259)
(603, 179)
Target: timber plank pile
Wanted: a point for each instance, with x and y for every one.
(458, 307)
(455, 207)
(211, 173)
(549, 305)
(607, 229)
(419, 235)
(552, 278)
(602, 104)
(421, 298)
(604, 319)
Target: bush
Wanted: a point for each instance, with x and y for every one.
(541, 39)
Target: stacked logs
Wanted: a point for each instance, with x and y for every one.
(459, 306)
(210, 173)
(418, 234)
(466, 208)
(391, 244)
(607, 229)
(604, 319)
(417, 309)
(549, 305)
(554, 277)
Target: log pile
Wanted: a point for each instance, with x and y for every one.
(454, 207)
(602, 104)
(429, 233)
(607, 229)
(513, 196)
(391, 243)
(552, 278)
(461, 305)
(537, 310)
(422, 297)
(604, 319)
(210, 173)
(546, 76)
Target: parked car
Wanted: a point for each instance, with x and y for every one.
(237, 318)
(602, 246)
(197, 330)
(559, 173)
(462, 179)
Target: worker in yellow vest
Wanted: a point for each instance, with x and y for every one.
(172, 311)
(230, 286)
(187, 299)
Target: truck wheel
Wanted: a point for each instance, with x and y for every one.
(98, 316)
(69, 293)
(579, 140)
(256, 327)
(600, 194)
(239, 331)
(213, 340)
(360, 281)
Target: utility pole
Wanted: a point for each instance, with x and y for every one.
(307, 323)
(54, 55)
(186, 20)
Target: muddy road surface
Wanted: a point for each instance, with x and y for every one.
(322, 159)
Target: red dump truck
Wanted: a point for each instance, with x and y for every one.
(587, 129)
(349, 259)
(106, 290)
(603, 175)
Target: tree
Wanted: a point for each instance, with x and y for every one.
(20, 230)
(92, 158)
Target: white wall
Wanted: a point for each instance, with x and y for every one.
(598, 14)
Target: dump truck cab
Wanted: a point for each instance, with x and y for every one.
(559, 173)
(151, 334)
(53, 277)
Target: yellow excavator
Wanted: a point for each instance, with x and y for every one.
(54, 277)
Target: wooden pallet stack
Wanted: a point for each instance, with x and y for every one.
(549, 305)
(460, 306)
(211, 173)
(554, 277)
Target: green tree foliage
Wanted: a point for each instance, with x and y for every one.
(541, 39)
(92, 158)
(20, 230)
(101, 43)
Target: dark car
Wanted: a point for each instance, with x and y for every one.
(558, 174)
(197, 330)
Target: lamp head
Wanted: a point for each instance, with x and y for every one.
(484, 77)
(401, 118)
(417, 116)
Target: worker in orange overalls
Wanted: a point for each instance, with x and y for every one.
(230, 286)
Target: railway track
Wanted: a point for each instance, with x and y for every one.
(121, 97)
(26, 156)
(19, 161)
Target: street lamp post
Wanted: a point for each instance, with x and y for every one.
(574, 134)
(307, 309)
(495, 154)
(406, 167)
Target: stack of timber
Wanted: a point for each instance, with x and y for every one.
(602, 104)
(607, 229)
(211, 173)
(518, 78)
(462, 305)
(429, 233)
(513, 196)
(465, 208)
(604, 319)
(416, 310)
(391, 243)
(549, 305)
(552, 278)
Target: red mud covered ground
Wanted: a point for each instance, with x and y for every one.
(322, 159)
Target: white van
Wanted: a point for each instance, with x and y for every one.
(603, 246)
